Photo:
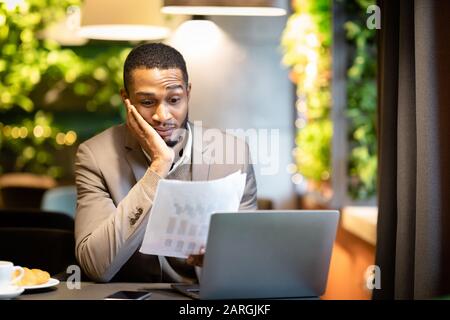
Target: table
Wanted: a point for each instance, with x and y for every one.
(98, 291)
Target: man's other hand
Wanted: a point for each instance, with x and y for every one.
(196, 259)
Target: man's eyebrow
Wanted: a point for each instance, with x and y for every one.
(174, 87)
(143, 93)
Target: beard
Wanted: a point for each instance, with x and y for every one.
(172, 143)
(178, 134)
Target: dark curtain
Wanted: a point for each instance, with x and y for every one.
(413, 236)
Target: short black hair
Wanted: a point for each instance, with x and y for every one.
(153, 55)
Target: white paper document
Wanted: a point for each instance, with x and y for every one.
(179, 219)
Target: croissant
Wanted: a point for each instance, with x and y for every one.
(32, 277)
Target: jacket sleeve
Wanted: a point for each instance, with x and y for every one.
(249, 200)
(107, 235)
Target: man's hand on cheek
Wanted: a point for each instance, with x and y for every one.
(161, 155)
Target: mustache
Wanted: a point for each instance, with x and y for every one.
(178, 133)
(171, 124)
(164, 126)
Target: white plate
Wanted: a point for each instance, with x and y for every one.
(50, 283)
(11, 292)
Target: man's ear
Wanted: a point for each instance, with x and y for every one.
(188, 91)
(124, 95)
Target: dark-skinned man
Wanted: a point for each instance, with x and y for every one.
(117, 171)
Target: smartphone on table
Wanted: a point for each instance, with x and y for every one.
(129, 295)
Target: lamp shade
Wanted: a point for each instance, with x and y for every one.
(132, 20)
(223, 7)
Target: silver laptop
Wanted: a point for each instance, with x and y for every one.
(266, 254)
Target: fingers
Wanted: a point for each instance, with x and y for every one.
(133, 112)
(131, 120)
(139, 120)
(195, 260)
(133, 115)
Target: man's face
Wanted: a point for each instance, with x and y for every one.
(161, 97)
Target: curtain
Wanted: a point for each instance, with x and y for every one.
(413, 233)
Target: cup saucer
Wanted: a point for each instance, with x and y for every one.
(10, 292)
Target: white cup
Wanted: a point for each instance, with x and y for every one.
(7, 274)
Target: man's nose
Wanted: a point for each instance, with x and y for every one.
(162, 113)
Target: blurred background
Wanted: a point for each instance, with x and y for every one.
(304, 67)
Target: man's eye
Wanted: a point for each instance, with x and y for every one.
(148, 102)
(174, 100)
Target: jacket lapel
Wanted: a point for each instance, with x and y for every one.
(201, 164)
(200, 170)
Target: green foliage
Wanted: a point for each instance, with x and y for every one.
(306, 42)
(312, 154)
(315, 141)
(96, 79)
(29, 152)
(362, 98)
(30, 63)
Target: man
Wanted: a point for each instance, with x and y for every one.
(117, 171)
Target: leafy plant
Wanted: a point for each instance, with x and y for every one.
(24, 57)
(306, 43)
(29, 64)
(27, 144)
(362, 98)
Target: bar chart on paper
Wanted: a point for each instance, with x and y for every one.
(179, 219)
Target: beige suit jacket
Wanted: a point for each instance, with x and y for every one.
(115, 191)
